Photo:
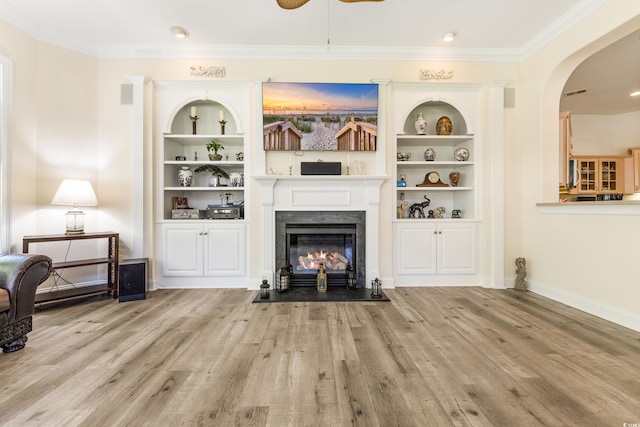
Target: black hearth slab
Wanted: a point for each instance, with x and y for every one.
(309, 294)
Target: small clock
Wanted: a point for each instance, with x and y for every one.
(432, 179)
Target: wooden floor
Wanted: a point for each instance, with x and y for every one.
(430, 357)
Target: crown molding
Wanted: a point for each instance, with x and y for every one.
(327, 52)
(560, 25)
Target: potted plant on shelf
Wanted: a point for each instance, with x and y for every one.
(216, 173)
(214, 146)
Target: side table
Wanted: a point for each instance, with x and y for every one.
(111, 259)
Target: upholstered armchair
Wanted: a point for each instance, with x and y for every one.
(20, 275)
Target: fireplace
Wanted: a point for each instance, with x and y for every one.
(304, 239)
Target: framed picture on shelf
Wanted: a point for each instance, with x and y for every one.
(180, 203)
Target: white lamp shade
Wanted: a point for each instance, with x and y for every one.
(74, 192)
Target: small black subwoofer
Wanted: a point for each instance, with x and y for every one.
(132, 279)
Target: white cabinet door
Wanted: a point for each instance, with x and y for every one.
(456, 248)
(225, 249)
(415, 248)
(438, 248)
(182, 250)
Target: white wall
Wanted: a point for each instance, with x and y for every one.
(605, 134)
(582, 256)
(55, 132)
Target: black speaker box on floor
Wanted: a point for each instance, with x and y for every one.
(132, 279)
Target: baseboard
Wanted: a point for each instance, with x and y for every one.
(615, 315)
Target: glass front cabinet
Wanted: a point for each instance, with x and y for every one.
(600, 175)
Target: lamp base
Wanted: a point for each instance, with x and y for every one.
(75, 222)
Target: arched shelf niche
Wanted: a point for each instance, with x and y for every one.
(432, 111)
(209, 114)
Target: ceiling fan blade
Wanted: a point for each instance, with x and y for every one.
(291, 4)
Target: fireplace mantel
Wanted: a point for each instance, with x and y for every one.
(321, 193)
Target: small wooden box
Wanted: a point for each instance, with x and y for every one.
(320, 168)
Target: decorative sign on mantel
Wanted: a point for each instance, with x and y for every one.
(435, 75)
(200, 71)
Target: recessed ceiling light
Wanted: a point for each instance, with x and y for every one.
(448, 37)
(179, 32)
(636, 93)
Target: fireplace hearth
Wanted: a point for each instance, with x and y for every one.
(304, 239)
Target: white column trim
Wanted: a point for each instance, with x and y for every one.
(137, 243)
(496, 141)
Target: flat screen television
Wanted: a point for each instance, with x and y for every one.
(320, 116)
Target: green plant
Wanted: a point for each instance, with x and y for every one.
(215, 146)
(213, 170)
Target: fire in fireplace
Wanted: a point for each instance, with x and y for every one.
(333, 238)
(309, 246)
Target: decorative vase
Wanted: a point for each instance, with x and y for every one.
(429, 154)
(215, 156)
(454, 178)
(444, 126)
(420, 125)
(185, 177)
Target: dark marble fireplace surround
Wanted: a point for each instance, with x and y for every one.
(327, 221)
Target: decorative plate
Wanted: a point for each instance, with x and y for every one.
(461, 154)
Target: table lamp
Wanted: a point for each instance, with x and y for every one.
(74, 192)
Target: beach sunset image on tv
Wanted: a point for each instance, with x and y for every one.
(320, 116)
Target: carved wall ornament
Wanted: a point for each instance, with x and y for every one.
(435, 75)
(200, 71)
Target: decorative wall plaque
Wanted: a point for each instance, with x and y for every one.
(207, 71)
(435, 75)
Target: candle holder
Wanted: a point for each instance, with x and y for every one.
(283, 279)
(376, 288)
(222, 123)
(348, 170)
(194, 119)
(290, 170)
(264, 289)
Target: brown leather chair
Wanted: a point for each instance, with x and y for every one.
(20, 275)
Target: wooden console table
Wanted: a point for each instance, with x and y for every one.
(111, 284)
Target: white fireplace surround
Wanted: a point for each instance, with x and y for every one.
(321, 193)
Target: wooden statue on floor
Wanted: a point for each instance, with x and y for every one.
(521, 273)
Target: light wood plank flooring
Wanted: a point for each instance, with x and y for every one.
(430, 357)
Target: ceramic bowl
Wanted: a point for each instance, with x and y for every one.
(403, 156)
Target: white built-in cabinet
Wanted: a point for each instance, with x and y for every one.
(213, 249)
(435, 248)
(210, 252)
(442, 250)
